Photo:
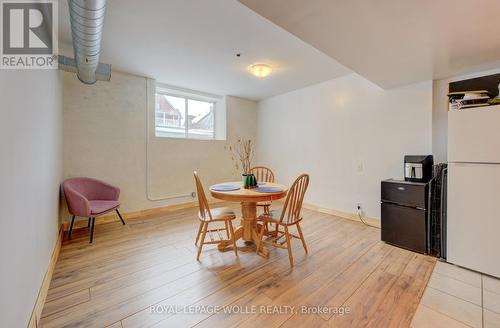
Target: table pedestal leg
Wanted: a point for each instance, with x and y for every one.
(263, 248)
(249, 216)
(238, 233)
(248, 229)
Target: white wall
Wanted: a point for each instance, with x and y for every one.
(440, 120)
(30, 173)
(105, 134)
(348, 134)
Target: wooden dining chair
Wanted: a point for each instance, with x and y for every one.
(287, 217)
(208, 216)
(264, 174)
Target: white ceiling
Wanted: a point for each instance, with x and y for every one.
(193, 44)
(395, 42)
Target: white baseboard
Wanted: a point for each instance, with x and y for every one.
(44, 288)
(351, 216)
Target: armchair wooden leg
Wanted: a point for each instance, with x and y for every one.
(123, 222)
(261, 235)
(233, 237)
(205, 227)
(265, 227)
(88, 224)
(227, 230)
(199, 233)
(92, 230)
(302, 237)
(71, 227)
(289, 246)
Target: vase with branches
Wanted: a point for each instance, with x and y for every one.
(242, 152)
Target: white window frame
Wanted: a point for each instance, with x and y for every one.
(187, 96)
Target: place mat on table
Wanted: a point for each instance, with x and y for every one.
(225, 188)
(267, 189)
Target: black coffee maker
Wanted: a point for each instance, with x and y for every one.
(418, 168)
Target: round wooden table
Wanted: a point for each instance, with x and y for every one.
(248, 199)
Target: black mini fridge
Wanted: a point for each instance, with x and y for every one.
(405, 214)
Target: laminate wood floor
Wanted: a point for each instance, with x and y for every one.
(145, 274)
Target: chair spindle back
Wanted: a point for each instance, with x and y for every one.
(263, 173)
(294, 199)
(202, 199)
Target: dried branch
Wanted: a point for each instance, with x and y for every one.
(242, 153)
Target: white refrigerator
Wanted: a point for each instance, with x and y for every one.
(473, 227)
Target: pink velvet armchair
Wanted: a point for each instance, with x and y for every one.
(87, 197)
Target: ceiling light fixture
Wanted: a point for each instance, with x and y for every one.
(260, 70)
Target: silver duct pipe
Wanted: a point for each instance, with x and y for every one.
(87, 19)
(103, 72)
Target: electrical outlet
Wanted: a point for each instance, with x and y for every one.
(359, 208)
(360, 167)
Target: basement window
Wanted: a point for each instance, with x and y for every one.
(181, 116)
